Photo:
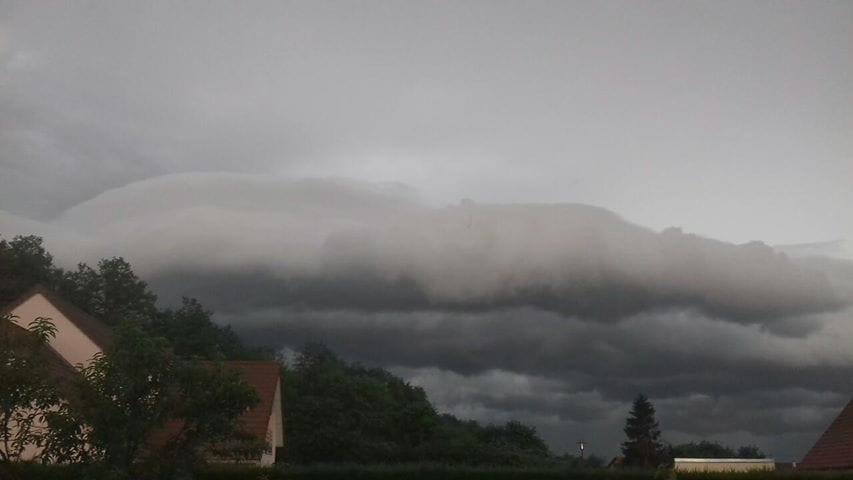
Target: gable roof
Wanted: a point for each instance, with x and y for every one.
(834, 449)
(264, 377)
(93, 328)
(58, 368)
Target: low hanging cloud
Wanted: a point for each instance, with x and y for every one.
(335, 244)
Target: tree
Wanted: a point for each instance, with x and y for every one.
(123, 395)
(210, 400)
(750, 451)
(340, 412)
(643, 447)
(703, 449)
(193, 334)
(24, 263)
(708, 449)
(26, 390)
(130, 391)
(514, 444)
(348, 413)
(110, 293)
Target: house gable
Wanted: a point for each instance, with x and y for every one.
(76, 341)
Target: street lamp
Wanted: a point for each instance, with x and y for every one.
(581, 447)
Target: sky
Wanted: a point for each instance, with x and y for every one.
(534, 210)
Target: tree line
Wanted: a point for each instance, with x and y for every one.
(644, 448)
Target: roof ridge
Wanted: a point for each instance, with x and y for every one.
(829, 451)
(97, 331)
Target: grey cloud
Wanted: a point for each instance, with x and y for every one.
(641, 109)
(374, 247)
(669, 354)
(513, 393)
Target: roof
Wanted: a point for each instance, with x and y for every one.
(58, 368)
(96, 330)
(834, 449)
(264, 377)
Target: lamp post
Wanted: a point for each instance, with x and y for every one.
(581, 447)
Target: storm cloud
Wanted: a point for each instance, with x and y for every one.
(338, 245)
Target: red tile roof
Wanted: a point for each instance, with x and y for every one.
(263, 376)
(834, 449)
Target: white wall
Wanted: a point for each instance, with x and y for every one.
(70, 342)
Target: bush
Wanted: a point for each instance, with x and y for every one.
(31, 471)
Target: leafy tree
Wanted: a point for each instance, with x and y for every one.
(123, 395)
(210, 400)
(750, 451)
(708, 449)
(130, 391)
(343, 413)
(24, 262)
(513, 443)
(193, 334)
(703, 449)
(338, 412)
(110, 293)
(643, 447)
(26, 390)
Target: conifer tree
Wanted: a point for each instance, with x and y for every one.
(643, 447)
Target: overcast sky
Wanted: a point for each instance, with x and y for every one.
(493, 182)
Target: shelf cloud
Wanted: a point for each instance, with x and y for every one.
(336, 244)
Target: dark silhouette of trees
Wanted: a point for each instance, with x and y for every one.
(643, 447)
(341, 412)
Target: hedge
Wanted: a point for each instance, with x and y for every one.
(411, 472)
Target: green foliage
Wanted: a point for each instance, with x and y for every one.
(750, 451)
(703, 449)
(342, 413)
(123, 395)
(24, 262)
(339, 412)
(708, 449)
(643, 447)
(26, 391)
(130, 391)
(193, 334)
(210, 400)
(110, 293)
